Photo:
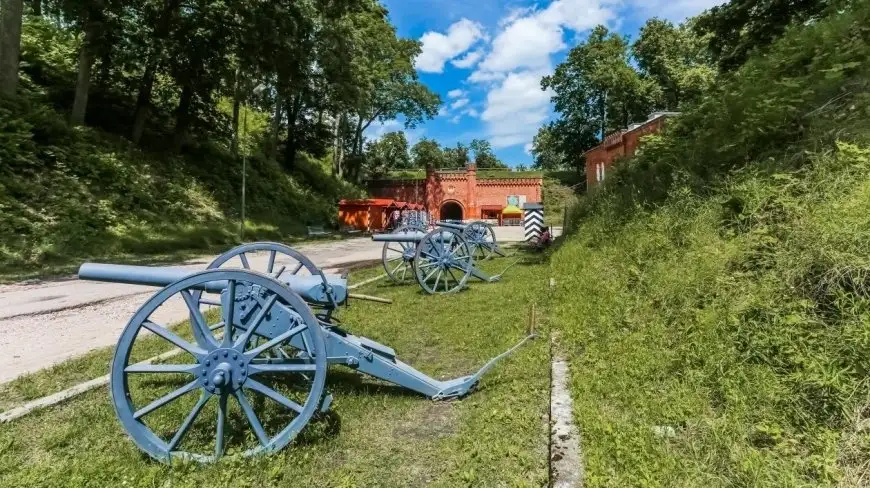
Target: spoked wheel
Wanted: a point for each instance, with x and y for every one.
(271, 258)
(200, 405)
(443, 261)
(398, 257)
(481, 237)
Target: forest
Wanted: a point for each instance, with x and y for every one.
(126, 123)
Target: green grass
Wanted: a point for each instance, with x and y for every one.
(737, 323)
(376, 435)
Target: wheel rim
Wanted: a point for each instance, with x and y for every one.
(227, 372)
(481, 237)
(275, 260)
(443, 262)
(398, 257)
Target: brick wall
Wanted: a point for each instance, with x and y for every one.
(460, 186)
(617, 145)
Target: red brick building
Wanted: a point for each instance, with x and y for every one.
(461, 195)
(618, 145)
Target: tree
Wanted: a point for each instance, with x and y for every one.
(596, 90)
(676, 60)
(388, 80)
(427, 153)
(733, 30)
(11, 12)
(547, 151)
(455, 157)
(388, 153)
(483, 155)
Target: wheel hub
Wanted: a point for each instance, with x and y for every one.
(224, 371)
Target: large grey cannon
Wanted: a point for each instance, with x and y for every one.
(479, 234)
(441, 261)
(252, 339)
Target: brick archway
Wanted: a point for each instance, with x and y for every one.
(451, 210)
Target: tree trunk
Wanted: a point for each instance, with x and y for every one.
(237, 101)
(338, 153)
(182, 116)
(36, 7)
(272, 146)
(11, 12)
(146, 87)
(292, 147)
(335, 166)
(143, 101)
(357, 137)
(83, 82)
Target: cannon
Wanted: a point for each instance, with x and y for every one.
(254, 338)
(479, 234)
(441, 261)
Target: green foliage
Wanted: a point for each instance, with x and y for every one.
(483, 155)
(67, 194)
(808, 89)
(737, 28)
(547, 151)
(427, 153)
(722, 338)
(387, 153)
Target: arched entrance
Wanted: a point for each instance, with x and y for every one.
(451, 210)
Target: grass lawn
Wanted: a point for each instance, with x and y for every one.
(375, 434)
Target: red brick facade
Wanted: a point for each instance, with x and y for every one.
(619, 144)
(443, 188)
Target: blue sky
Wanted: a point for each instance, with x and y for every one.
(486, 58)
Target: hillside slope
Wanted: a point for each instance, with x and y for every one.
(714, 298)
(68, 194)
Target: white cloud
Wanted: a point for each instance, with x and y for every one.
(516, 108)
(527, 41)
(439, 48)
(528, 148)
(485, 77)
(459, 103)
(469, 59)
(455, 119)
(378, 129)
(443, 111)
(455, 93)
(471, 112)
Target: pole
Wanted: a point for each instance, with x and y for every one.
(244, 173)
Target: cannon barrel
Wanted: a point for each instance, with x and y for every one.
(408, 237)
(309, 287)
(451, 225)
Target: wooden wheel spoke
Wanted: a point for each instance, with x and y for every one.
(162, 368)
(274, 395)
(229, 312)
(221, 425)
(165, 399)
(277, 340)
(271, 264)
(173, 338)
(252, 418)
(296, 270)
(286, 367)
(196, 315)
(244, 258)
(203, 399)
(277, 274)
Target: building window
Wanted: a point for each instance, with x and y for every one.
(599, 172)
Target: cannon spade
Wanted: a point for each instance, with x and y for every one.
(255, 372)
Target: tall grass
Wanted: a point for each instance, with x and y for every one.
(714, 297)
